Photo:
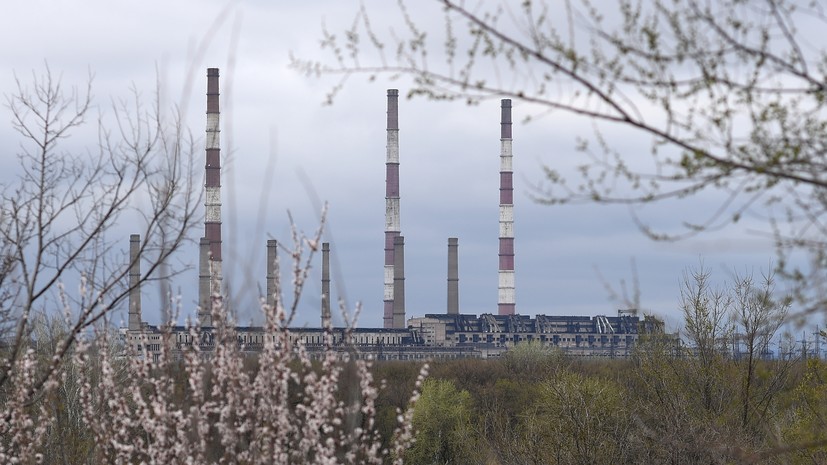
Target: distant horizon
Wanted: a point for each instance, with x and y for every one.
(282, 149)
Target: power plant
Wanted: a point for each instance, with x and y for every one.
(452, 334)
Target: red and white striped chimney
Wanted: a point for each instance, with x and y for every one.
(505, 301)
(392, 222)
(212, 201)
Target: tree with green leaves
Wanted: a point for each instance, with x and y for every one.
(442, 421)
(708, 330)
(806, 423)
(759, 314)
(579, 419)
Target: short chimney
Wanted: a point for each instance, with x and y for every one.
(453, 276)
(272, 255)
(134, 282)
(399, 282)
(204, 280)
(325, 284)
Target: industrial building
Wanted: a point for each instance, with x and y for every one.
(449, 335)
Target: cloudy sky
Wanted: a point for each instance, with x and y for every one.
(283, 149)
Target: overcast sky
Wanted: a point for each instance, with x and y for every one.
(449, 162)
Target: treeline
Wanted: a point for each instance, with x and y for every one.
(534, 405)
(99, 401)
(672, 401)
(538, 406)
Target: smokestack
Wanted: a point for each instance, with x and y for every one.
(505, 302)
(399, 282)
(392, 223)
(453, 276)
(212, 202)
(135, 282)
(204, 279)
(272, 250)
(325, 284)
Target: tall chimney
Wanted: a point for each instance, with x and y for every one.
(399, 282)
(392, 222)
(505, 302)
(204, 280)
(325, 284)
(453, 276)
(212, 202)
(272, 251)
(134, 282)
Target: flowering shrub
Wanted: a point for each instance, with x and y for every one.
(207, 401)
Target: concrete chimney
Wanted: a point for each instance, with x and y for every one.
(134, 282)
(453, 276)
(204, 279)
(325, 284)
(505, 302)
(272, 251)
(212, 201)
(399, 282)
(392, 222)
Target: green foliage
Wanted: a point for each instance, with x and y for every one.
(683, 411)
(400, 380)
(442, 420)
(579, 419)
(532, 360)
(476, 376)
(806, 429)
(659, 406)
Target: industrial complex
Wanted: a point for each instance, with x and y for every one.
(447, 335)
